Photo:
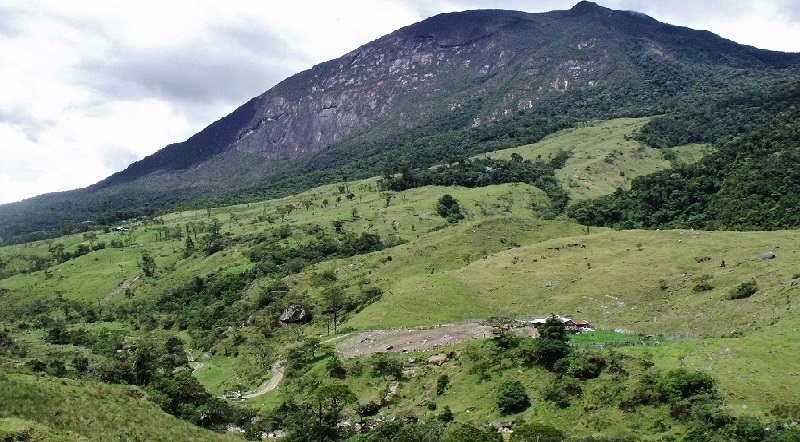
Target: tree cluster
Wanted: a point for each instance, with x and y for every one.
(485, 172)
(753, 182)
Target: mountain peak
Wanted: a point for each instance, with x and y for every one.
(587, 7)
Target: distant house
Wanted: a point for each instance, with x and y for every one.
(236, 394)
(572, 325)
(578, 325)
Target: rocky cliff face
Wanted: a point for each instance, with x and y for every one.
(450, 73)
(511, 60)
(395, 76)
(410, 75)
(508, 61)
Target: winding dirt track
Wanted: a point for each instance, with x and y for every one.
(270, 384)
(122, 286)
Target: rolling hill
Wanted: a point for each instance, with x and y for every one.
(454, 84)
(370, 260)
(478, 169)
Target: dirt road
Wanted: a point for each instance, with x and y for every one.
(270, 384)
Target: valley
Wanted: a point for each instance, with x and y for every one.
(502, 260)
(358, 253)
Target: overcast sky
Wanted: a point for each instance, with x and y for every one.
(88, 87)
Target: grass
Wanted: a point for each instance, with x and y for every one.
(604, 156)
(602, 337)
(500, 261)
(218, 374)
(85, 410)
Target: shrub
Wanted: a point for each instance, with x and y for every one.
(446, 415)
(704, 284)
(744, 290)
(562, 390)
(512, 397)
(441, 384)
(447, 207)
(536, 432)
(469, 433)
(547, 352)
(586, 365)
(683, 384)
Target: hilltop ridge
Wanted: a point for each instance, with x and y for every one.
(452, 84)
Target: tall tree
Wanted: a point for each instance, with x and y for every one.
(552, 344)
(328, 402)
(148, 264)
(334, 301)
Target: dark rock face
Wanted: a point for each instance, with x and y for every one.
(295, 314)
(394, 76)
(510, 61)
(447, 73)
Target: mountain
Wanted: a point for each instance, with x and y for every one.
(450, 85)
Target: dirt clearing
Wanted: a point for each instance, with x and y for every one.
(398, 341)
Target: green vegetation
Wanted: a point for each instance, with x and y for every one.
(512, 398)
(183, 308)
(750, 183)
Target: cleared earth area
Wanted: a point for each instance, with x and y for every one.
(399, 341)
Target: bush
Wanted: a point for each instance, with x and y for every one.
(446, 415)
(441, 384)
(683, 384)
(536, 432)
(447, 207)
(744, 290)
(586, 365)
(704, 284)
(469, 433)
(512, 397)
(562, 390)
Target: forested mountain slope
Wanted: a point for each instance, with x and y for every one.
(751, 183)
(451, 85)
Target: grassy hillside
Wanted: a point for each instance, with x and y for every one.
(197, 295)
(44, 408)
(605, 156)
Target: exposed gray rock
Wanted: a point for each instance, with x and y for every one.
(769, 255)
(294, 314)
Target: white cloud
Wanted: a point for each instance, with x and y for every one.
(88, 87)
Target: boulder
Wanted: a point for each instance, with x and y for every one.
(294, 314)
(438, 359)
(769, 255)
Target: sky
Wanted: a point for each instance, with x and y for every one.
(89, 86)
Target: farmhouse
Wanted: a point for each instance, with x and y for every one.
(572, 325)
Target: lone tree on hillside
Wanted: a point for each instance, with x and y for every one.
(447, 207)
(334, 300)
(318, 417)
(512, 397)
(148, 264)
(552, 344)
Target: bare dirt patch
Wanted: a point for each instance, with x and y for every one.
(399, 341)
(122, 286)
